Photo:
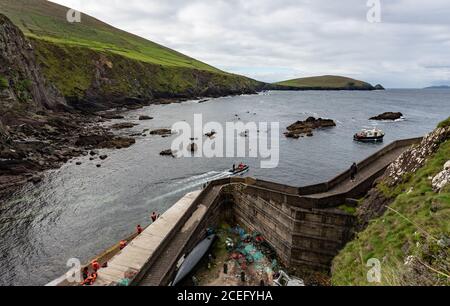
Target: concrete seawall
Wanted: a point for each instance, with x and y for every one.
(302, 224)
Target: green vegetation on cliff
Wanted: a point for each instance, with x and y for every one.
(76, 70)
(91, 61)
(3, 83)
(410, 239)
(445, 123)
(326, 82)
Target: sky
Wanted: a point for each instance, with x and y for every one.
(403, 43)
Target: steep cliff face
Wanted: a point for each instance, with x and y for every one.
(404, 221)
(23, 89)
(38, 130)
(4, 134)
(92, 79)
(24, 86)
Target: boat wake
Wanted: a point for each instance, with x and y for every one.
(190, 183)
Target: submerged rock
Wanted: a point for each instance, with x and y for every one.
(388, 116)
(211, 134)
(143, 117)
(168, 152)
(292, 135)
(112, 116)
(106, 141)
(124, 125)
(119, 143)
(161, 132)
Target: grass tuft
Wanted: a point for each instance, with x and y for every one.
(445, 123)
(3, 83)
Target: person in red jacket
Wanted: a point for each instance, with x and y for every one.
(139, 229)
(95, 265)
(90, 280)
(122, 244)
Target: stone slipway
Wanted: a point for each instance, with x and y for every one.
(141, 250)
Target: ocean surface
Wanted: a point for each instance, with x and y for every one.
(78, 211)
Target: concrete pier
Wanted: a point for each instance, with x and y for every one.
(137, 255)
(302, 224)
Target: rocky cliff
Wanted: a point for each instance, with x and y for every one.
(23, 89)
(23, 83)
(404, 220)
(38, 129)
(95, 65)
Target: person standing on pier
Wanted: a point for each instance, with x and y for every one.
(353, 172)
(154, 216)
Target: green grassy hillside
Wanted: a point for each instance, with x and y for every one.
(326, 82)
(415, 228)
(95, 65)
(75, 69)
(47, 21)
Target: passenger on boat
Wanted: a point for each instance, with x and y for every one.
(139, 229)
(234, 167)
(241, 166)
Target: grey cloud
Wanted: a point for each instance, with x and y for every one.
(274, 40)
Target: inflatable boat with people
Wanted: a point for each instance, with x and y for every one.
(239, 170)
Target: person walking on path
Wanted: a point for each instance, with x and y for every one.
(353, 172)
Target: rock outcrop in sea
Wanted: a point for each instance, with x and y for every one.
(388, 116)
(161, 132)
(306, 127)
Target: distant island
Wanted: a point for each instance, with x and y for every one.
(327, 82)
(438, 87)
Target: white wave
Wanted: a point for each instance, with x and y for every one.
(191, 184)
